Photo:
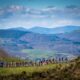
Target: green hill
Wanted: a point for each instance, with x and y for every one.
(57, 71)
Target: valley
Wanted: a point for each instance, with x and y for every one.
(39, 39)
(25, 44)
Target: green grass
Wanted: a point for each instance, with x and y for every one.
(18, 70)
(57, 71)
(11, 59)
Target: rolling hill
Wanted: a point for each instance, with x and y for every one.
(56, 71)
(15, 41)
(73, 36)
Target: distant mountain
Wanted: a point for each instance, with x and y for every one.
(18, 28)
(12, 33)
(73, 36)
(57, 30)
(40, 30)
(15, 41)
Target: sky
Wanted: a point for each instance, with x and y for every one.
(43, 13)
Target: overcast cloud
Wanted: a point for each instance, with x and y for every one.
(51, 16)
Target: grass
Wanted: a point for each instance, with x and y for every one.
(18, 70)
(57, 71)
(11, 59)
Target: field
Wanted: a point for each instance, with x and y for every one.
(17, 70)
(38, 54)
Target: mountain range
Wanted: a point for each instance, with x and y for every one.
(63, 29)
(25, 43)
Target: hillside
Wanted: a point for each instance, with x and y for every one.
(73, 36)
(15, 41)
(56, 71)
(51, 42)
(3, 54)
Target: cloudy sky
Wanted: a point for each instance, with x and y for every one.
(44, 13)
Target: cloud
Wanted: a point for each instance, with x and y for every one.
(72, 7)
(15, 15)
